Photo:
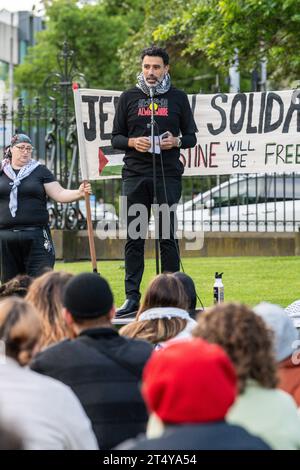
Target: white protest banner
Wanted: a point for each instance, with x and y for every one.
(94, 111)
(238, 133)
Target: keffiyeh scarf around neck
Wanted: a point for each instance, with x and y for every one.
(159, 89)
(16, 180)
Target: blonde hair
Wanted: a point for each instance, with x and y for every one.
(154, 331)
(20, 328)
(45, 293)
(165, 290)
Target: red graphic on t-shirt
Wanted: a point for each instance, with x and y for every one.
(158, 112)
(160, 107)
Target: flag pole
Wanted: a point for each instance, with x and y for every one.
(90, 230)
(84, 172)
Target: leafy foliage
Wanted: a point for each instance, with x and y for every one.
(94, 32)
(201, 36)
(257, 29)
(107, 39)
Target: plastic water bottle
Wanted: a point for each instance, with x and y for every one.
(218, 289)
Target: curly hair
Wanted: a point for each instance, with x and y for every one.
(7, 152)
(155, 51)
(45, 293)
(20, 328)
(17, 286)
(246, 339)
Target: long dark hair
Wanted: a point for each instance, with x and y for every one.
(165, 290)
(7, 152)
(20, 328)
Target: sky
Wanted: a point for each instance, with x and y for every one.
(17, 5)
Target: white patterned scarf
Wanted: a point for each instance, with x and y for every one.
(163, 312)
(16, 180)
(159, 89)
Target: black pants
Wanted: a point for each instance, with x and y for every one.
(139, 190)
(27, 251)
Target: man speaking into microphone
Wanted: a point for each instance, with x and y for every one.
(131, 132)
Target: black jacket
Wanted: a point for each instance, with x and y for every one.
(206, 436)
(173, 113)
(104, 371)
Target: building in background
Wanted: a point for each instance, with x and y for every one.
(17, 34)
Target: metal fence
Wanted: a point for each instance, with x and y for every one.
(52, 129)
(261, 202)
(245, 203)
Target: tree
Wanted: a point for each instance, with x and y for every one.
(257, 29)
(107, 39)
(190, 71)
(94, 32)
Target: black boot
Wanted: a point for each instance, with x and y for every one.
(128, 309)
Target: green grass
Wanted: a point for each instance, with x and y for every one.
(114, 170)
(246, 279)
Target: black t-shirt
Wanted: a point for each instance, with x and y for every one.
(172, 113)
(32, 199)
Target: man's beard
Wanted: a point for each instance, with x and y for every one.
(160, 86)
(157, 81)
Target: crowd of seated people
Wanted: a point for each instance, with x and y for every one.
(176, 377)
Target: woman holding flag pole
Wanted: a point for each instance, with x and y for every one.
(26, 245)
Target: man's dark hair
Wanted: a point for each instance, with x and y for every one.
(155, 51)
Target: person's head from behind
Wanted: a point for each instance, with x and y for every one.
(20, 329)
(88, 303)
(190, 290)
(286, 336)
(164, 290)
(46, 294)
(162, 314)
(245, 338)
(18, 286)
(155, 64)
(189, 382)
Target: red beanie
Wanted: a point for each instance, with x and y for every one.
(189, 382)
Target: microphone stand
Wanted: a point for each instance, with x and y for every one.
(155, 205)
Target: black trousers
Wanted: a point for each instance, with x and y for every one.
(28, 251)
(139, 190)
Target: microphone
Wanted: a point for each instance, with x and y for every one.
(151, 91)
